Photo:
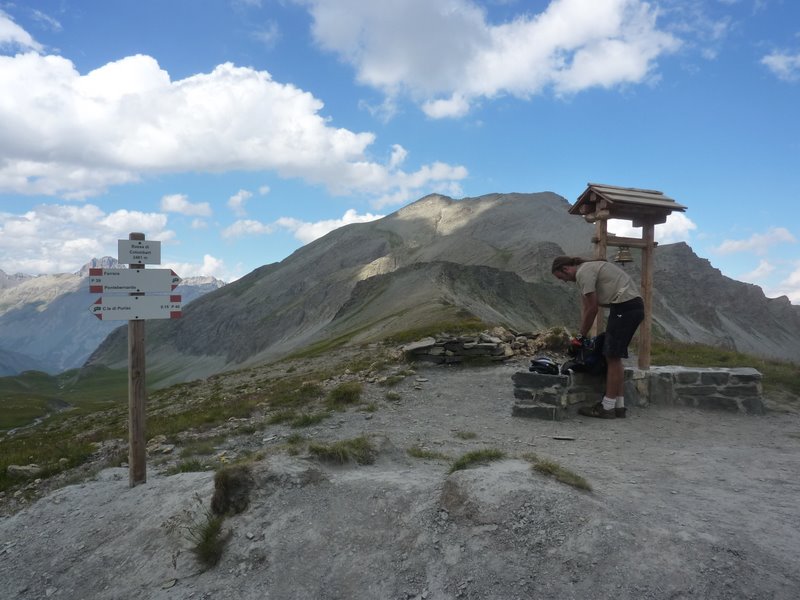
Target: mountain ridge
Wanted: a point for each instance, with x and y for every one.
(321, 291)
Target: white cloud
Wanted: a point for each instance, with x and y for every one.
(55, 238)
(758, 243)
(783, 65)
(762, 271)
(446, 55)
(237, 201)
(676, 229)
(210, 267)
(179, 203)
(246, 227)
(73, 135)
(308, 232)
(15, 37)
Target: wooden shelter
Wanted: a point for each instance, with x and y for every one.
(645, 209)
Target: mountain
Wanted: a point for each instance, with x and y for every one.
(45, 323)
(440, 260)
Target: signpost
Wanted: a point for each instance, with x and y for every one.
(132, 280)
(133, 295)
(125, 308)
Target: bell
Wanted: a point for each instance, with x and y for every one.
(623, 256)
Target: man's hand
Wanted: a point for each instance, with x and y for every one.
(577, 342)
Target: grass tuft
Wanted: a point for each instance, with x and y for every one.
(345, 394)
(424, 453)
(477, 457)
(359, 450)
(557, 472)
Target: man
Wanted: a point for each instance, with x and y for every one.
(602, 283)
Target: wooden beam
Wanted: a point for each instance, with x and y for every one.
(648, 234)
(600, 251)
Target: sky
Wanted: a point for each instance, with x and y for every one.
(235, 131)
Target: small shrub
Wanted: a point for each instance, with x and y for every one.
(357, 449)
(476, 457)
(307, 420)
(393, 396)
(345, 393)
(282, 416)
(466, 435)
(232, 487)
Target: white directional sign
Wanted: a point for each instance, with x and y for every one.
(132, 280)
(143, 252)
(127, 308)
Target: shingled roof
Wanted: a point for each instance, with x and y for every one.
(625, 203)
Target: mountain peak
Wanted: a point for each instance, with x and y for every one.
(107, 262)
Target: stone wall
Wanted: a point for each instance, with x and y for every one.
(559, 396)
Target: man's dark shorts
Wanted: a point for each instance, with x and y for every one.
(623, 320)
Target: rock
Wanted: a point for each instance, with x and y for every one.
(24, 470)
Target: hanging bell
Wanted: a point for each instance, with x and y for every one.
(623, 256)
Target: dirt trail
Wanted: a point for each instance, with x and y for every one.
(685, 504)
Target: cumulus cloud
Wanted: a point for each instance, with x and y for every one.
(245, 227)
(308, 232)
(446, 55)
(783, 65)
(237, 201)
(762, 271)
(73, 135)
(210, 267)
(302, 230)
(758, 243)
(179, 203)
(14, 37)
(57, 238)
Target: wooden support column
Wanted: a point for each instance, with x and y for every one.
(137, 395)
(600, 251)
(648, 237)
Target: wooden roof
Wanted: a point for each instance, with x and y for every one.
(633, 204)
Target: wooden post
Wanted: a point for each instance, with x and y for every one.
(648, 236)
(600, 251)
(137, 394)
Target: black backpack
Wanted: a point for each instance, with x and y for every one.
(588, 358)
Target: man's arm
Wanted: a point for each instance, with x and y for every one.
(588, 312)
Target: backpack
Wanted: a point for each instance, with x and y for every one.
(544, 365)
(587, 359)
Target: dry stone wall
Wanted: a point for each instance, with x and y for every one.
(559, 396)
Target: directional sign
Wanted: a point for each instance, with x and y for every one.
(142, 252)
(128, 308)
(132, 280)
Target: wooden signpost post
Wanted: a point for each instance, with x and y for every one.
(135, 307)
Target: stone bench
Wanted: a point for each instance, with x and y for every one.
(556, 397)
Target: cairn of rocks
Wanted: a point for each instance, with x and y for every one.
(497, 344)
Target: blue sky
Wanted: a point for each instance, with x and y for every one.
(236, 131)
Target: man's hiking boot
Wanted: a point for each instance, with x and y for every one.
(597, 410)
(620, 412)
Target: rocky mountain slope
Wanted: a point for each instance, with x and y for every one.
(45, 323)
(683, 504)
(440, 259)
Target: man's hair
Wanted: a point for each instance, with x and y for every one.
(559, 262)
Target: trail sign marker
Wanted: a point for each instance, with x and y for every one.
(132, 280)
(129, 308)
(139, 252)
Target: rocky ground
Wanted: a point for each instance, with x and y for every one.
(684, 504)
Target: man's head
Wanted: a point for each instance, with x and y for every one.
(564, 267)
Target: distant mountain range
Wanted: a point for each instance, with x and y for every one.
(440, 260)
(45, 323)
